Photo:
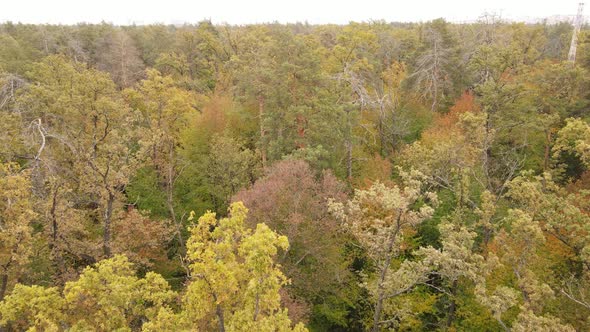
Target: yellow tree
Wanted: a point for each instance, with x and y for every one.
(109, 296)
(86, 135)
(30, 307)
(235, 281)
(106, 297)
(16, 216)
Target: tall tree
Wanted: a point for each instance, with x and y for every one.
(119, 57)
(292, 200)
(85, 132)
(106, 297)
(166, 112)
(16, 218)
(235, 281)
(437, 64)
(380, 218)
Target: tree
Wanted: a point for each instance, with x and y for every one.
(16, 218)
(151, 41)
(32, 306)
(433, 74)
(574, 138)
(166, 112)
(196, 58)
(234, 276)
(110, 296)
(141, 239)
(106, 297)
(118, 56)
(380, 218)
(455, 263)
(277, 74)
(348, 63)
(292, 201)
(17, 55)
(451, 154)
(230, 167)
(562, 215)
(87, 136)
(557, 92)
(518, 250)
(235, 282)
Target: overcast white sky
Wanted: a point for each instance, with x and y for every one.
(257, 11)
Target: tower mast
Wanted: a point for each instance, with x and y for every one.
(577, 25)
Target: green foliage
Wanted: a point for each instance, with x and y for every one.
(111, 135)
(141, 192)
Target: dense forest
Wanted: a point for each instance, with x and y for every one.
(293, 177)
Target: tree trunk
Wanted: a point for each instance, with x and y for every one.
(170, 202)
(3, 285)
(177, 225)
(348, 144)
(56, 251)
(349, 160)
(262, 131)
(487, 153)
(435, 96)
(54, 226)
(435, 78)
(452, 307)
(108, 215)
(547, 150)
(219, 313)
(381, 131)
(383, 275)
(256, 307)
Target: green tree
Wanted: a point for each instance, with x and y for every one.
(229, 168)
(166, 113)
(436, 68)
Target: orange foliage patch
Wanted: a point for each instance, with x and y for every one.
(583, 183)
(557, 248)
(375, 169)
(445, 125)
(301, 127)
(213, 115)
(141, 239)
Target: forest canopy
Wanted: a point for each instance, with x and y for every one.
(293, 177)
